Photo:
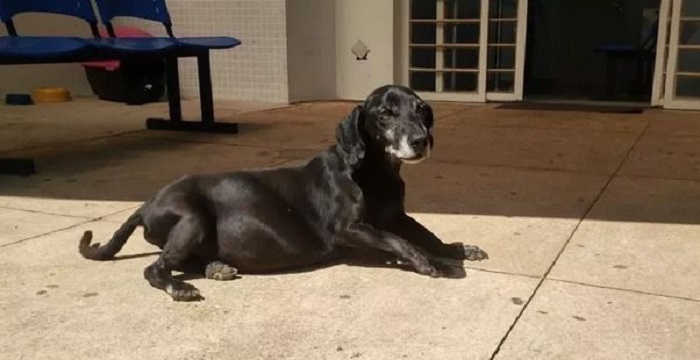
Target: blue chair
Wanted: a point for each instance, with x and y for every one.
(156, 10)
(33, 49)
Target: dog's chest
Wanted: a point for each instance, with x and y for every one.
(348, 205)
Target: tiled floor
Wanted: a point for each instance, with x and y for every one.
(591, 221)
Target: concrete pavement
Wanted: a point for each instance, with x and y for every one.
(591, 221)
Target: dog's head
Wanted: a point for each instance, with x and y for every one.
(393, 120)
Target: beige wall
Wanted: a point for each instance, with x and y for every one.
(311, 58)
(26, 78)
(371, 21)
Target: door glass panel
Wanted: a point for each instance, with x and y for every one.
(461, 33)
(500, 81)
(460, 81)
(462, 58)
(423, 58)
(688, 60)
(423, 33)
(691, 8)
(423, 10)
(502, 32)
(688, 87)
(690, 33)
(423, 81)
(461, 9)
(501, 57)
(499, 9)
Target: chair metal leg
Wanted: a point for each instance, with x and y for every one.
(207, 124)
(21, 167)
(206, 96)
(172, 76)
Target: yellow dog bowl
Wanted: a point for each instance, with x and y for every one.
(51, 95)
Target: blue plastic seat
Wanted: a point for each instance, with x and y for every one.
(213, 42)
(134, 45)
(44, 47)
(81, 9)
(41, 47)
(156, 10)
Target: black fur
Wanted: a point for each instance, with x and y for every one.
(349, 196)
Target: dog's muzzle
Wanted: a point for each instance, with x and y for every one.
(411, 150)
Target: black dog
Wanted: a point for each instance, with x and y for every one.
(350, 195)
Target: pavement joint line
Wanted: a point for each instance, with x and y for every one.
(67, 143)
(562, 129)
(101, 218)
(639, 292)
(653, 177)
(454, 114)
(519, 167)
(194, 141)
(45, 213)
(561, 251)
(87, 221)
(47, 233)
(500, 272)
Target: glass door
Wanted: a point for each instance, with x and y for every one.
(465, 50)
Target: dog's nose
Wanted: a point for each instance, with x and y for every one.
(419, 142)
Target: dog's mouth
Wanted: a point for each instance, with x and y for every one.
(407, 152)
(413, 160)
(416, 158)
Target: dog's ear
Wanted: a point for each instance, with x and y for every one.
(349, 138)
(428, 119)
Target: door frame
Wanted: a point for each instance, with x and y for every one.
(659, 83)
(663, 92)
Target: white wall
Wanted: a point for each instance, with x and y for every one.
(256, 70)
(371, 21)
(311, 58)
(253, 71)
(292, 50)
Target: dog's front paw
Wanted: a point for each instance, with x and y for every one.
(220, 271)
(429, 270)
(473, 253)
(182, 291)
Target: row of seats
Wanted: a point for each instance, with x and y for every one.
(51, 48)
(17, 49)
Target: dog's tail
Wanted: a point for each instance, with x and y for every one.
(107, 251)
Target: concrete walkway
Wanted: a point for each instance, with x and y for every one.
(591, 221)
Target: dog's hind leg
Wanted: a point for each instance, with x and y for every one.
(184, 239)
